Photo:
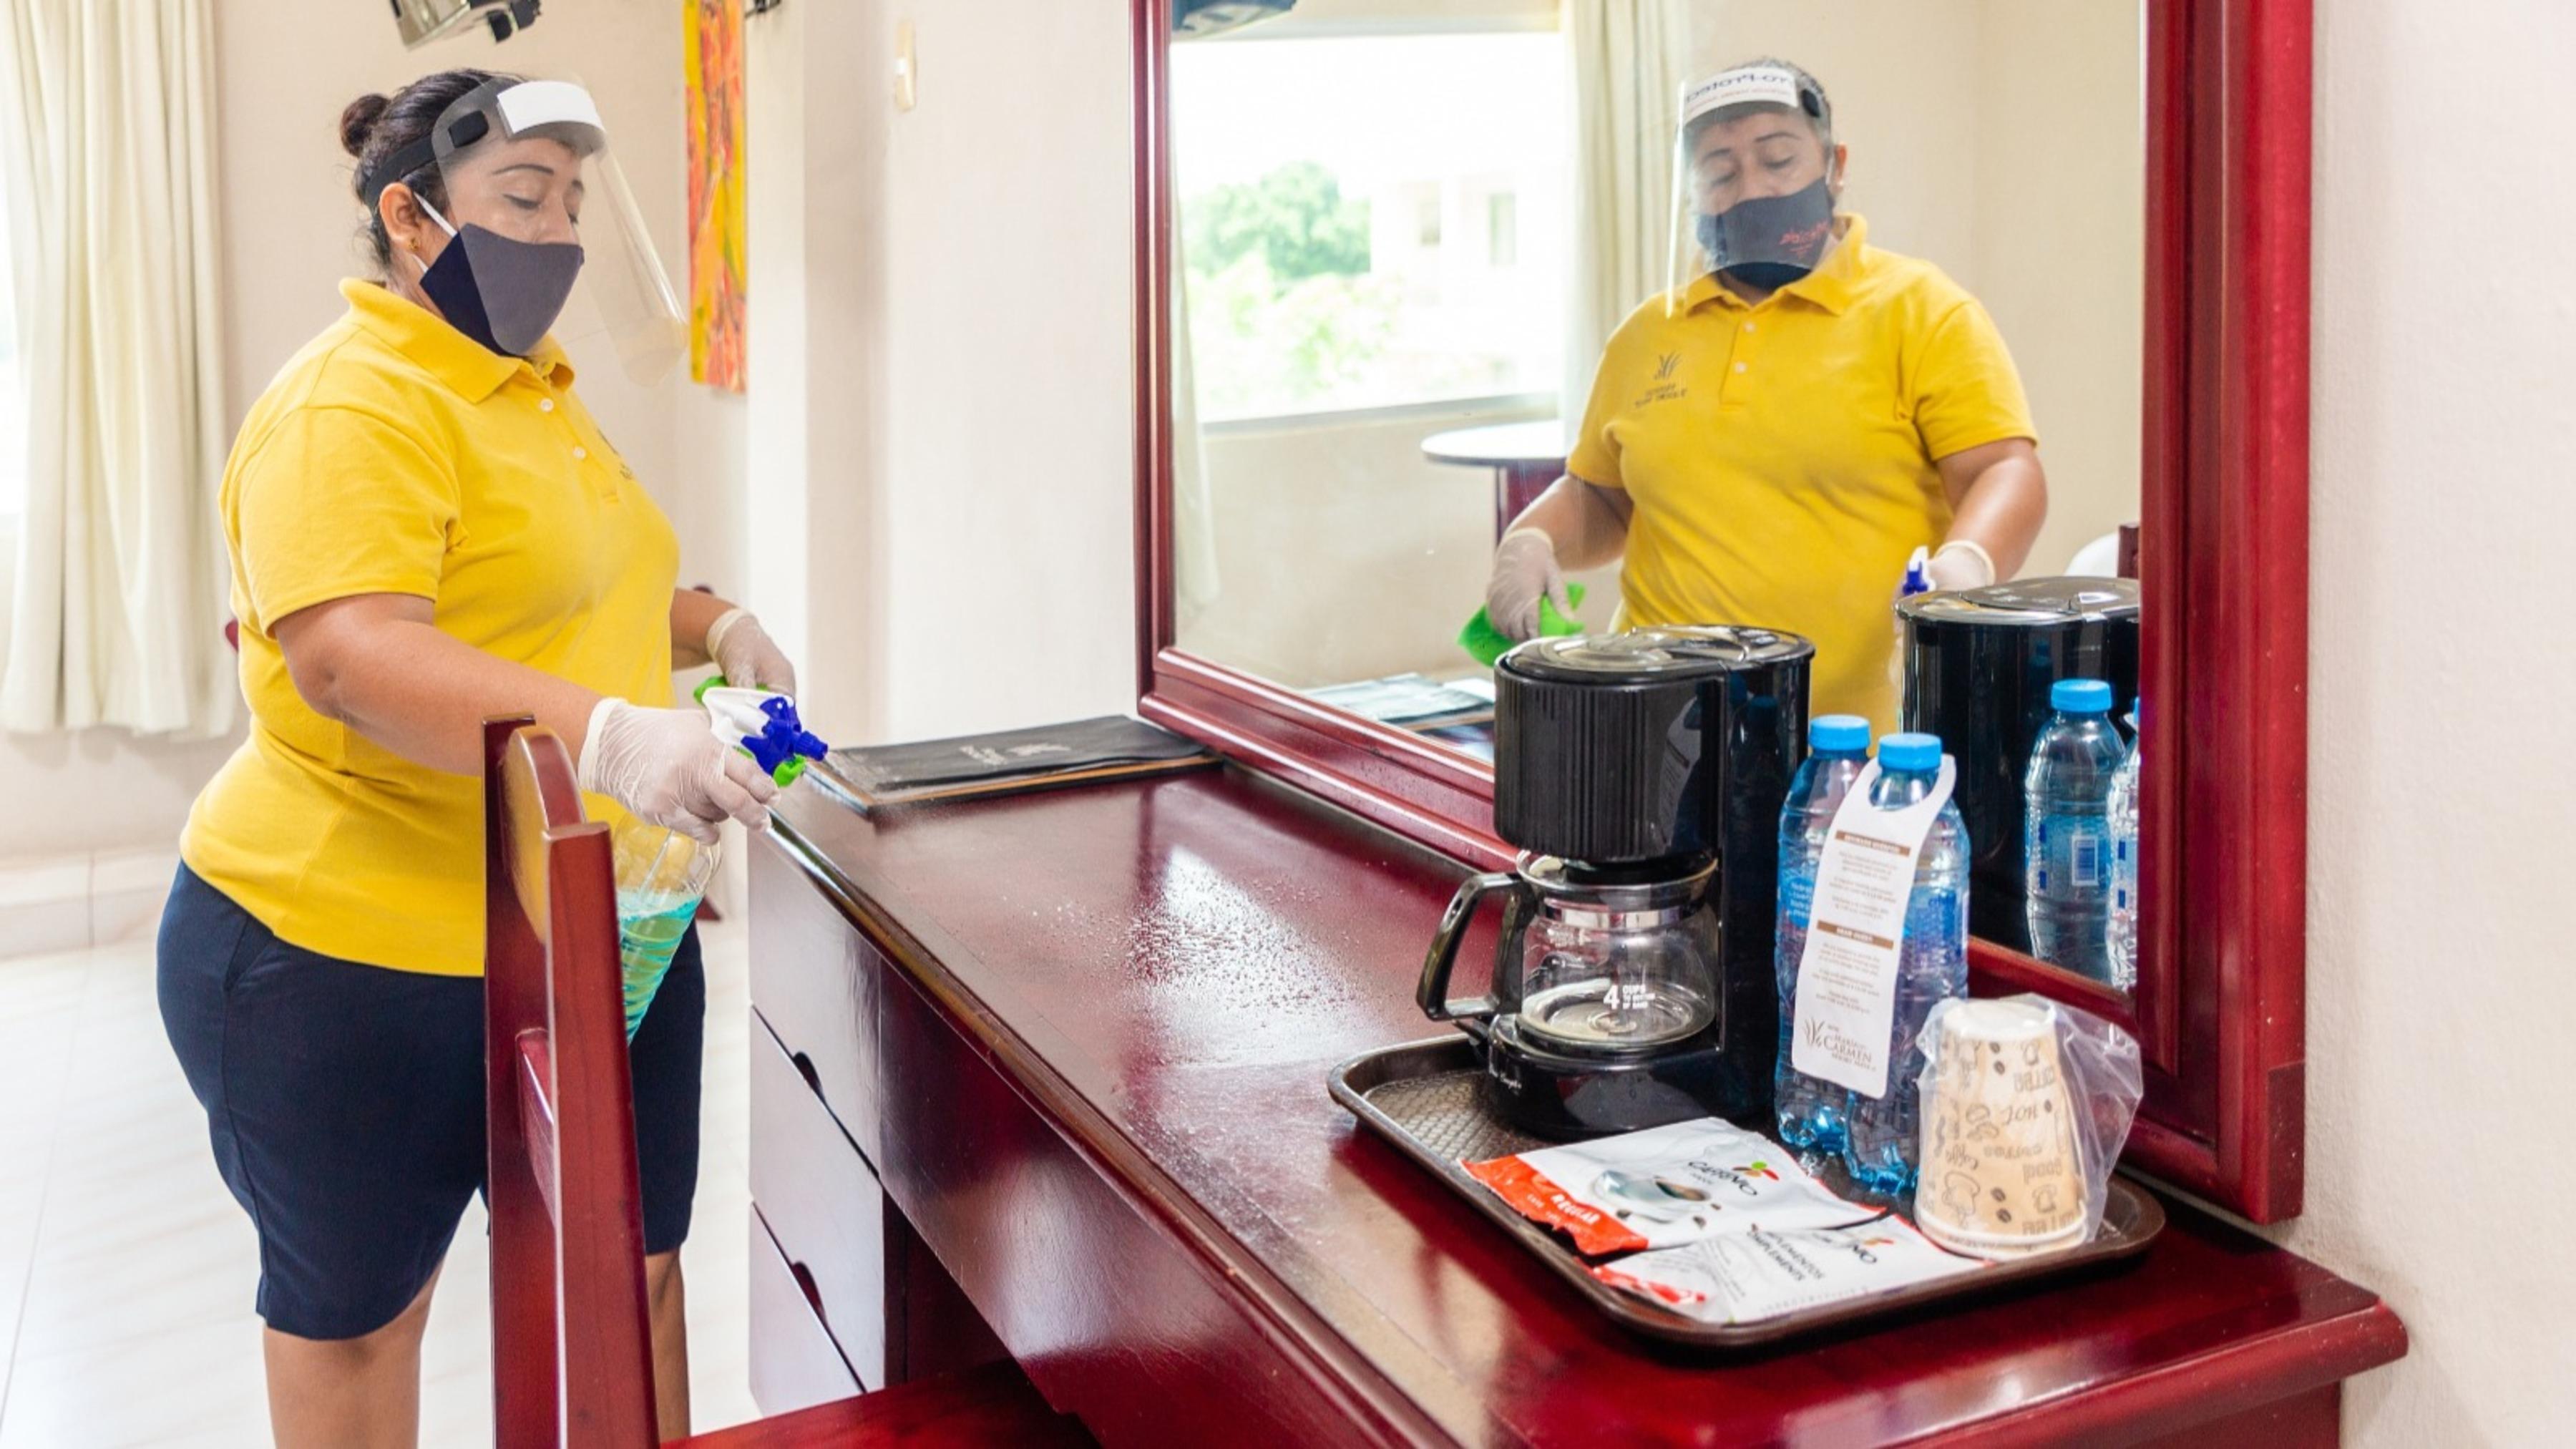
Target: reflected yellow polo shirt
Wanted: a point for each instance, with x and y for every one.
(1780, 455)
(394, 455)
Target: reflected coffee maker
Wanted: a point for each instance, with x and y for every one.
(1641, 775)
(1978, 667)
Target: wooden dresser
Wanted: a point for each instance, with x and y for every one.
(1045, 1076)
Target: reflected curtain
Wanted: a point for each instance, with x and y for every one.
(1194, 565)
(1631, 59)
(107, 150)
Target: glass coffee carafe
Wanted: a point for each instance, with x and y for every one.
(1592, 961)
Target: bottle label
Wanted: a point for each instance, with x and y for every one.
(1846, 1004)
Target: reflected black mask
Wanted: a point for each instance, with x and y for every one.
(1771, 241)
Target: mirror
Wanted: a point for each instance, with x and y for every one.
(1432, 256)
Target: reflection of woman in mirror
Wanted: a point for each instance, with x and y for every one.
(1770, 441)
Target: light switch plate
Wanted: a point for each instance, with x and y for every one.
(905, 74)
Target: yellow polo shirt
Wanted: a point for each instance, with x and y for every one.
(1780, 455)
(394, 455)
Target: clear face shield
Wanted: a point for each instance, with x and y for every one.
(1753, 181)
(547, 236)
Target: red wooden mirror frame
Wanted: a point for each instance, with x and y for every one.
(2220, 1006)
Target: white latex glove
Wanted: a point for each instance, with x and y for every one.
(1525, 570)
(1960, 565)
(746, 656)
(667, 766)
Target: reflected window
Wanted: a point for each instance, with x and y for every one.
(1351, 211)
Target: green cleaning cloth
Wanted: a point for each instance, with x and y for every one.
(1481, 639)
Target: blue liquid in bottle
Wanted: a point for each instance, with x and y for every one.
(1810, 1112)
(649, 928)
(1885, 1133)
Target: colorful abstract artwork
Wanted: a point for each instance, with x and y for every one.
(713, 56)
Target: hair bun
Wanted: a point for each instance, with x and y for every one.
(358, 121)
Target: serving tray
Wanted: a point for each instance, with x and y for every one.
(1427, 1099)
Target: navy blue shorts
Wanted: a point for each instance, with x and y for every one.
(346, 1106)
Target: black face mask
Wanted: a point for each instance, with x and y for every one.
(1771, 241)
(510, 299)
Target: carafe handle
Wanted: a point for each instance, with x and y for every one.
(1433, 994)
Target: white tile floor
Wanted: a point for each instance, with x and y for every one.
(126, 1270)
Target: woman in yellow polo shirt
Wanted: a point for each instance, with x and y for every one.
(426, 529)
(1769, 442)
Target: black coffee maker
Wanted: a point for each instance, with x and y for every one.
(1978, 666)
(1642, 776)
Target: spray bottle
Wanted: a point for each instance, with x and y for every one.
(1918, 580)
(663, 874)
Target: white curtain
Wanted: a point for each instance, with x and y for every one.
(1194, 557)
(107, 150)
(1631, 59)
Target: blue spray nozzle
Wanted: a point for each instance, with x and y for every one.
(1918, 575)
(783, 744)
(764, 726)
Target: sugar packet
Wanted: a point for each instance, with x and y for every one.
(1664, 1186)
(1748, 1277)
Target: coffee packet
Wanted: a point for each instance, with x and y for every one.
(1750, 1276)
(1665, 1186)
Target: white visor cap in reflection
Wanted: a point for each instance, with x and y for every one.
(1746, 85)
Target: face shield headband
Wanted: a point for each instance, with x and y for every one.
(514, 285)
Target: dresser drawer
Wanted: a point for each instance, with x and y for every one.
(816, 981)
(822, 1203)
(793, 1362)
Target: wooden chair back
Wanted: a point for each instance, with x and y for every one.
(572, 1354)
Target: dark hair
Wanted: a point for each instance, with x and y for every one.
(375, 127)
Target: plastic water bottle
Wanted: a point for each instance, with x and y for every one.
(1810, 1111)
(661, 877)
(2124, 867)
(2067, 794)
(1885, 1132)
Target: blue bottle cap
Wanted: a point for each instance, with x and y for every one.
(2080, 696)
(1910, 752)
(1845, 733)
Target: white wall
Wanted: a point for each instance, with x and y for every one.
(2061, 245)
(1342, 553)
(955, 441)
(2440, 984)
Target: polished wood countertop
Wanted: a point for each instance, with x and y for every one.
(1166, 970)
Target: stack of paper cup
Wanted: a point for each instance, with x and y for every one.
(2001, 1175)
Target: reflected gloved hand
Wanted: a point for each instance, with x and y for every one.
(746, 656)
(1525, 570)
(667, 767)
(1961, 565)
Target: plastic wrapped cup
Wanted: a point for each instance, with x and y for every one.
(661, 877)
(2002, 1176)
